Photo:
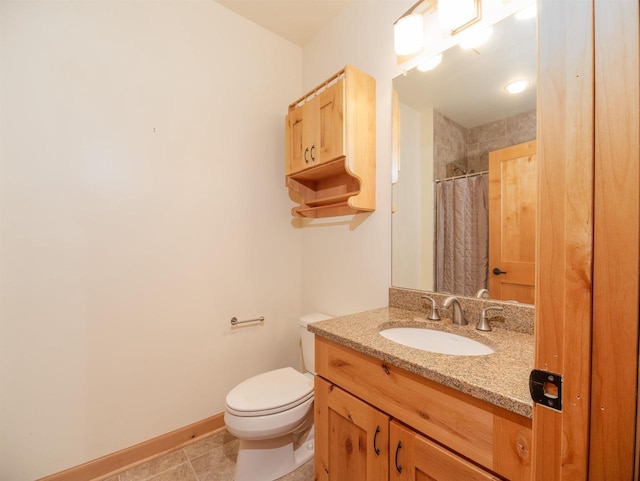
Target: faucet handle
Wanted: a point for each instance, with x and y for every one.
(434, 315)
(483, 320)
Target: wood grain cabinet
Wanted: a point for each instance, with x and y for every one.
(352, 437)
(315, 131)
(330, 155)
(415, 458)
(372, 417)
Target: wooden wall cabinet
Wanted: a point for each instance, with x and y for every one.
(330, 155)
(315, 129)
(465, 438)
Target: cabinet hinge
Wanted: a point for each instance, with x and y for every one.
(546, 389)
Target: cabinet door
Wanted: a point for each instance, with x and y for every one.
(315, 132)
(415, 458)
(329, 144)
(351, 437)
(300, 130)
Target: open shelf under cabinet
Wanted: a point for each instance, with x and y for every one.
(325, 190)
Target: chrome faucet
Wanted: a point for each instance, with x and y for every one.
(458, 312)
(483, 320)
(433, 315)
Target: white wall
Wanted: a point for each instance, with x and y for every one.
(346, 263)
(413, 226)
(142, 205)
(407, 199)
(427, 202)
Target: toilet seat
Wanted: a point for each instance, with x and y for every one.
(269, 393)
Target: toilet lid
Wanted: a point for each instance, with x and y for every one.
(269, 393)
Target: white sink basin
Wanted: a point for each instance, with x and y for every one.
(436, 341)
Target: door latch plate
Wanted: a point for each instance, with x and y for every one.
(546, 389)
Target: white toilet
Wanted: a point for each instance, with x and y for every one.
(272, 415)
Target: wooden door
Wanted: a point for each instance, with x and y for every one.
(415, 458)
(589, 246)
(512, 222)
(351, 437)
(616, 241)
(564, 259)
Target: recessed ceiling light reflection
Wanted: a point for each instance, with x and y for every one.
(430, 64)
(516, 86)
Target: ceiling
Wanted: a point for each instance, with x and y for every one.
(468, 86)
(295, 20)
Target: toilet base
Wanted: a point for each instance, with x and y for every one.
(270, 459)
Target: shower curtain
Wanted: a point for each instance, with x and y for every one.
(462, 235)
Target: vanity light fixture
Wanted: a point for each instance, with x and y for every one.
(408, 33)
(408, 30)
(516, 86)
(475, 38)
(430, 64)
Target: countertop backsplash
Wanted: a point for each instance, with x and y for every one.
(514, 316)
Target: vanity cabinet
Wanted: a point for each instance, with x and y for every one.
(415, 458)
(352, 434)
(330, 155)
(464, 434)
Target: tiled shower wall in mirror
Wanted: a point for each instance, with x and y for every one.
(459, 150)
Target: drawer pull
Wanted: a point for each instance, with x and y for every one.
(375, 437)
(386, 369)
(398, 448)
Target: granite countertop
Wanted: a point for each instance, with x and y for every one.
(500, 378)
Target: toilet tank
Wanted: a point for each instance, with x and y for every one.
(307, 340)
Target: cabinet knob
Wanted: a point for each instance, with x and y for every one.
(313, 159)
(305, 155)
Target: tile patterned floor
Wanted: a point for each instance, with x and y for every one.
(210, 459)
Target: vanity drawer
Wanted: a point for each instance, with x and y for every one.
(493, 437)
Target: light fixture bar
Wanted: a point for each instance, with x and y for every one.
(456, 15)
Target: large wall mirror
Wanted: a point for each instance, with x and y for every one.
(464, 190)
